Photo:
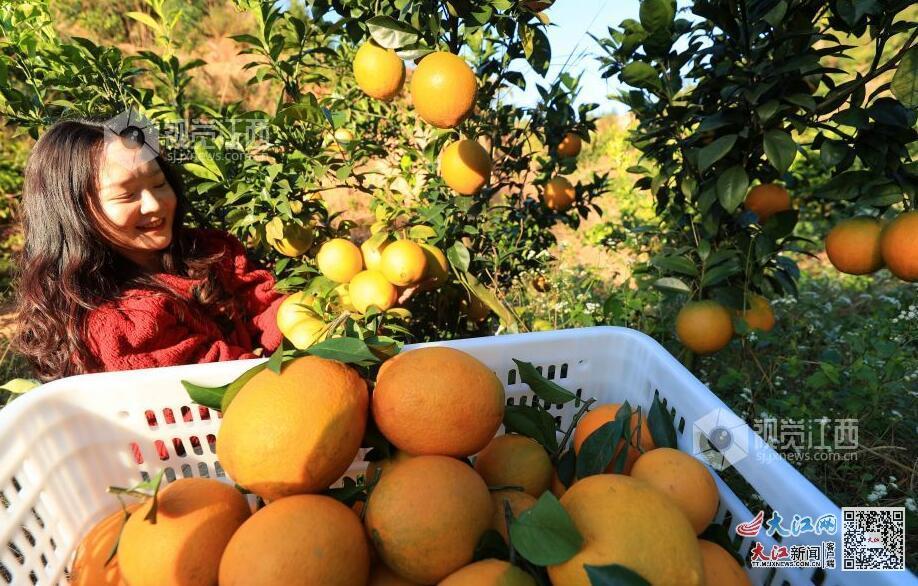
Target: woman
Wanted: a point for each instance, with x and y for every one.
(110, 278)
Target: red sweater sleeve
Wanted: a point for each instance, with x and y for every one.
(253, 287)
(143, 331)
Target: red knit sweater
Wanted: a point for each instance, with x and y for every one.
(145, 328)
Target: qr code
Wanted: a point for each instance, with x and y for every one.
(873, 538)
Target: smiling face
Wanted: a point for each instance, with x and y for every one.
(137, 204)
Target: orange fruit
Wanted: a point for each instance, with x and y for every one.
(371, 288)
(380, 467)
(299, 540)
(403, 263)
(515, 460)
(720, 568)
(603, 414)
(195, 519)
(465, 166)
(89, 567)
(288, 238)
(519, 502)
(473, 307)
(626, 521)
(372, 250)
(570, 145)
(558, 194)
(683, 479)
(380, 575)
(437, 400)
(298, 322)
(489, 573)
(704, 327)
(899, 246)
(426, 515)
(274, 439)
(767, 200)
(759, 316)
(339, 260)
(437, 273)
(379, 72)
(853, 246)
(443, 89)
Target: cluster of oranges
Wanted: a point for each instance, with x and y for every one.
(376, 274)
(864, 245)
(288, 437)
(443, 89)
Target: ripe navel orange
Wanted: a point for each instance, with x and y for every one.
(570, 145)
(372, 250)
(599, 416)
(371, 288)
(628, 522)
(339, 260)
(403, 263)
(465, 166)
(767, 200)
(899, 246)
(426, 515)
(195, 519)
(89, 567)
(437, 273)
(298, 322)
(683, 479)
(379, 72)
(720, 568)
(515, 460)
(299, 540)
(294, 432)
(489, 572)
(519, 502)
(704, 327)
(759, 315)
(558, 194)
(288, 238)
(380, 575)
(443, 89)
(437, 400)
(853, 246)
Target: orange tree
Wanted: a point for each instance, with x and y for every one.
(724, 100)
(264, 173)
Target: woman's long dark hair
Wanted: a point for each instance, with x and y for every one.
(67, 267)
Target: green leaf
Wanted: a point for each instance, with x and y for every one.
(277, 359)
(534, 422)
(545, 389)
(731, 187)
(347, 350)
(780, 149)
(18, 386)
(905, 81)
(676, 264)
(536, 47)
(597, 450)
(390, 33)
(640, 75)
(459, 257)
(832, 152)
(146, 20)
(153, 484)
(211, 397)
(661, 425)
(657, 15)
(715, 151)
(672, 284)
(545, 534)
(421, 233)
(614, 575)
(234, 387)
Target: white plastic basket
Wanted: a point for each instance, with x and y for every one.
(66, 442)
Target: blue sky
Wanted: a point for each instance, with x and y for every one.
(571, 20)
